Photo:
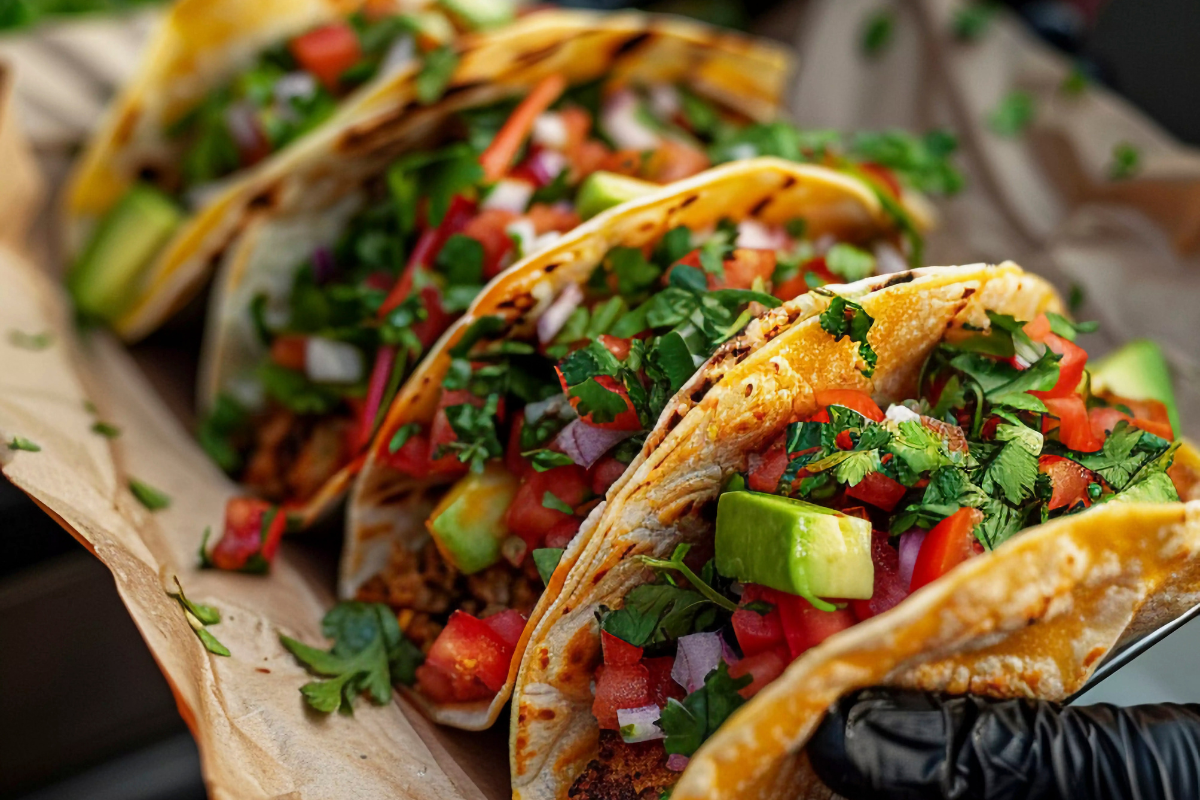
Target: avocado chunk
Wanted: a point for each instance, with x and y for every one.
(479, 15)
(793, 546)
(468, 524)
(1139, 371)
(602, 190)
(105, 279)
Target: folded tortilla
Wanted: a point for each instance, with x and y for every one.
(201, 43)
(1031, 618)
(388, 509)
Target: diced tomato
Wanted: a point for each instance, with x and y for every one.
(436, 321)
(488, 228)
(531, 520)
(290, 352)
(879, 490)
(605, 473)
(673, 160)
(1146, 410)
(745, 266)
(1074, 430)
(562, 533)
(429, 244)
(617, 687)
(547, 217)
(1103, 419)
(508, 625)
(763, 667)
(627, 420)
(757, 632)
(951, 542)
(1070, 366)
(805, 626)
(244, 536)
(617, 651)
(616, 345)
(468, 649)
(798, 284)
(883, 175)
(768, 467)
(890, 587)
(662, 687)
(1038, 328)
(441, 433)
(440, 686)
(1069, 479)
(413, 456)
(327, 52)
(851, 399)
(514, 462)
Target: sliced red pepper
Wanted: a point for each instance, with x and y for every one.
(951, 542)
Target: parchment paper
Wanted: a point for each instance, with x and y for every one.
(1043, 199)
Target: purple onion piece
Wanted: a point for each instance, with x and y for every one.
(553, 319)
(910, 545)
(677, 762)
(546, 164)
(586, 444)
(698, 655)
(324, 267)
(638, 724)
(241, 119)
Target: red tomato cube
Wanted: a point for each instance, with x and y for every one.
(806, 626)
(890, 587)
(763, 667)
(469, 649)
(617, 651)
(617, 687)
(508, 625)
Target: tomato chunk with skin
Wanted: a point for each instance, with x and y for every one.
(605, 473)
(561, 534)
(529, 518)
(617, 651)
(890, 587)
(762, 667)
(757, 632)
(468, 649)
(851, 399)
(768, 467)
(662, 687)
(436, 321)
(805, 625)
(1074, 429)
(951, 542)
(489, 228)
(508, 625)
(877, 489)
(1069, 479)
(244, 536)
(617, 687)
(413, 456)
(290, 352)
(1070, 367)
(327, 52)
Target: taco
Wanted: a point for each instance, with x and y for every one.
(494, 457)
(905, 480)
(249, 108)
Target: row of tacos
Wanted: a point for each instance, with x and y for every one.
(646, 422)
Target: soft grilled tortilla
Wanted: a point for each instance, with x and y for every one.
(202, 43)
(1031, 618)
(389, 509)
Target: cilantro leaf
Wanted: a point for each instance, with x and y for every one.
(846, 318)
(1014, 469)
(295, 392)
(546, 559)
(1125, 162)
(198, 615)
(148, 496)
(655, 613)
(545, 459)
(402, 435)
(877, 32)
(227, 420)
(1117, 460)
(588, 362)
(476, 439)
(689, 723)
(676, 563)
(633, 272)
(1014, 114)
(1061, 326)
(461, 261)
(1156, 487)
(30, 341)
(21, 443)
(552, 501)
(604, 405)
(849, 263)
(436, 72)
(106, 430)
(971, 21)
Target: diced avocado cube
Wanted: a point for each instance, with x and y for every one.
(104, 281)
(1139, 371)
(479, 15)
(468, 524)
(793, 546)
(603, 190)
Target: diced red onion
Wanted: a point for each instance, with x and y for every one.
(697, 655)
(558, 405)
(554, 317)
(242, 121)
(677, 762)
(294, 86)
(586, 444)
(324, 267)
(910, 545)
(550, 131)
(727, 653)
(637, 724)
(888, 259)
(754, 235)
(400, 55)
(619, 119)
(546, 164)
(509, 195)
(665, 100)
(821, 246)
(331, 361)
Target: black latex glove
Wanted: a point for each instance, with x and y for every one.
(913, 746)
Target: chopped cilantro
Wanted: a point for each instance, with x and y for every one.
(198, 616)
(1126, 160)
(877, 32)
(849, 263)
(217, 432)
(689, 723)
(30, 341)
(21, 443)
(675, 564)
(148, 496)
(477, 440)
(1076, 81)
(1014, 114)
(436, 72)
(546, 559)
(295, 392)
(106, 430)
(971, 21)
(544, 459)
(552, 501)
(846, 318)
(402, 435)
(656, 613)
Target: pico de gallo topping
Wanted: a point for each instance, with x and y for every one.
(1005, 433)
(534, 426)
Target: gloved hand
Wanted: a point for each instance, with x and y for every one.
(904, 745)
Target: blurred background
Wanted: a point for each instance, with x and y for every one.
(87, 713)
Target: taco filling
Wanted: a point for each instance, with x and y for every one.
(850, 511)
(535, 426)
(440, 224)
